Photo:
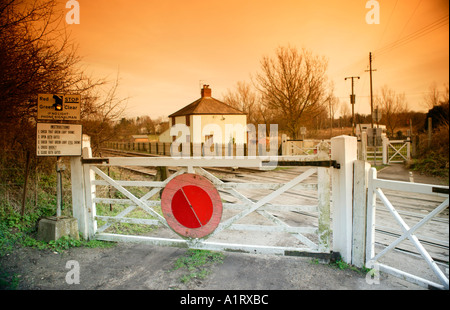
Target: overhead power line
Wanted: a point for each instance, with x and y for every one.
(413, 36)
(413, 13)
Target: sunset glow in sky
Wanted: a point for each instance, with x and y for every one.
(164, 50)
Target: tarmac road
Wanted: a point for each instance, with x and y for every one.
(399, 172)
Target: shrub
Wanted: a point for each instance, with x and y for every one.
(433, 160)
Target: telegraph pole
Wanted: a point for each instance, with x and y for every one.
(352, 102)
(371, 111)
(371, 92)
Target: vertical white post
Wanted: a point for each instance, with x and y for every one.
(360, 179)
(344, 152)
(408, 149)
(362, 147)
(78, 199)
(284, 144)
(89, 188)
(371, 208)
(385, 144)
(323, 176)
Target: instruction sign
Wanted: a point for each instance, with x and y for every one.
(58, 139)
(59, 107)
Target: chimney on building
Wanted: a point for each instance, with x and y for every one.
(206, 91)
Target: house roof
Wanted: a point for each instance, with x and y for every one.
(206, 105)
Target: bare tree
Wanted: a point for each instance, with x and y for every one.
(37, 56)
(146, 125)
(333, 107)
(245, 99)
(292, 83)
(101, 108)
(433, 97)
(392, 106)
(346, 114)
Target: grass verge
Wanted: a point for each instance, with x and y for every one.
(17, 231)
(196, 263)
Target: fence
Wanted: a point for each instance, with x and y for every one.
(390, 151)
(397, 151)
(194, 149)
(300, 147)
(375, 190)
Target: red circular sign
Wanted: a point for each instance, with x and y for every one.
(191, 205)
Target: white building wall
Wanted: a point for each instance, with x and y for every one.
(226, 128)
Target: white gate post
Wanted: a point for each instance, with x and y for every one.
(284, 145)
(79, 206)
(344, 152)
(360, 181)
(371, 209)
(385, 143)
(89, 190)
(78, 199)
(408, 149)
(323, 176)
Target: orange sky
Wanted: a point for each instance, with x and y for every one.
(164, 49)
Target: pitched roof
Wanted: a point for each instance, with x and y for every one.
(206, 105)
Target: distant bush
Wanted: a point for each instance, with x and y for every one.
(433, 160)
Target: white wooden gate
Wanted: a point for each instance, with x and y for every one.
(375, 190)
(396, 151)
(310, 237)
(302, 147)
(310, 240)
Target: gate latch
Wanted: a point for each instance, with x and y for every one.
(336, 165)
(95, 161)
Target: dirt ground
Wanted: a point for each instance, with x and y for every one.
(128, 266)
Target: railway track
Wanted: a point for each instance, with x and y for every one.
(122, 153)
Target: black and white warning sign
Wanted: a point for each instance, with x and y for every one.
(58, 139)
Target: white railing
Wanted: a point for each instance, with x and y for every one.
(302, 147)
(375, 190)
(390, 151)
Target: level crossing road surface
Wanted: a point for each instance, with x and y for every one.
(130, 266)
